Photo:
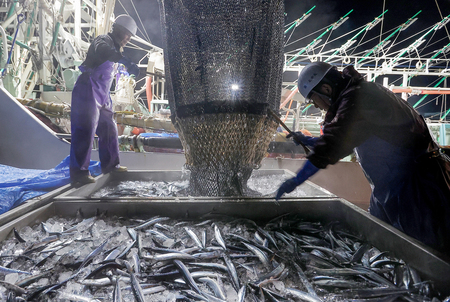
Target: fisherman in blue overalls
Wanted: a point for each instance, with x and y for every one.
(392, 143)
(91, 110)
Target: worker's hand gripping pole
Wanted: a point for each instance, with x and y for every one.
(275, 116)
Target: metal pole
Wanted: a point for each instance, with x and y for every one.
(57, 25)
(405, 83)
(300, 20)
(420, 101)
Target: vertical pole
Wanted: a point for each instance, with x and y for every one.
(405, 83)
(99, 19)
(445, 140)
(30, 23)
(77, 21)
(386, 82)
(42, 35)
(12, 8)
(58, 25)
(44, 72)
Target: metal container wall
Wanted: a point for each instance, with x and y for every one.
(319, 205)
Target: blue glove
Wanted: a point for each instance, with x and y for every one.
(299, 137)
(289, 185)
(132, 68)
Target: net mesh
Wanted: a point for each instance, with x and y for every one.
(224, 63)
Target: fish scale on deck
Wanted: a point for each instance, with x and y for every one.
(103, 259)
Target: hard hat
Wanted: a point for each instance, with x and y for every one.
(311, 75)
(127, 22)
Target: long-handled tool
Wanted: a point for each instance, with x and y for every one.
(275, 116)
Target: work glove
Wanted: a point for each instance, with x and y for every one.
(132, 68)
(300, 138)
(289, 185)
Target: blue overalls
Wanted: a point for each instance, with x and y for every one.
(406, 191)
(92, 113)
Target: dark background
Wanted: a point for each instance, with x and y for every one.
(323, 15)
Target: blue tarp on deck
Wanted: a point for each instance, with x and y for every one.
(18, 185)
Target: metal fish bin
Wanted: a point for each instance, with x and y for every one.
(317, 205)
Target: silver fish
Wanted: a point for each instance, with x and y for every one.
(305, 281)
(132, 232)
(170, 256)
(207, 255)
(302, 295)
(5, 271)
(212, 265)
(34, 278)
(97, 250)
(153, 290)
(218, 291)
(194, 237)
(151, 222)
(136, 287)
(241, 294)
(260, 254)
(114, 253)
(273, 275)
(212, 298)
(126, 250)
(232, 272)
(47, 230)
(204, 238)
(96, 282)
(268, 236)
(136, 263)
(17, 235)
(13, 287)
(117, 293)
(72, 297)
(139, 244)
(201, 274)
(187, 275)
(219, 237)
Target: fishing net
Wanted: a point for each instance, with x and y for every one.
(224, 63)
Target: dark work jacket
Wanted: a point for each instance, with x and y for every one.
(102, 49)
(362, 110)
(389, 137)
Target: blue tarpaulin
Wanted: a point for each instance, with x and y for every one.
(18, 185)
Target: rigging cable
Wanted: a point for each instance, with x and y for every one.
(359, 43)
(139, 17)
(382, 20)
(126, 11)
(298, 49)
(306, 37)
(442, 18)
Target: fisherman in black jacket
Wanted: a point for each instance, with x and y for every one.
(91, 110)
(391, 141)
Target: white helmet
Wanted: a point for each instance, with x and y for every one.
(311, 75)
(127, 22)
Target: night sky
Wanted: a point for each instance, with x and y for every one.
(324, 14)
